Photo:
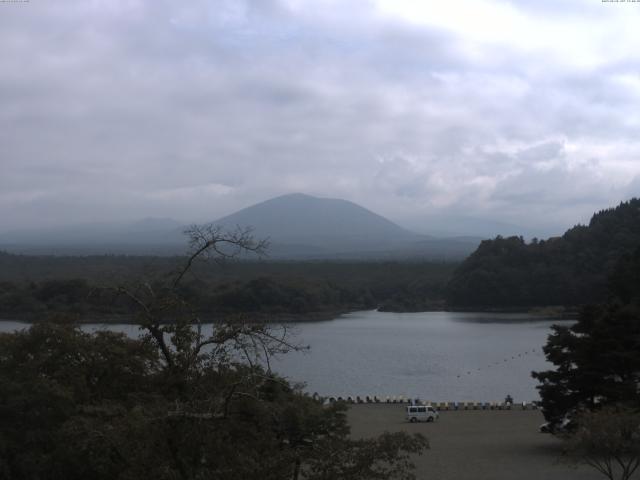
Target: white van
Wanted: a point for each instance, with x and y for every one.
(421, 413)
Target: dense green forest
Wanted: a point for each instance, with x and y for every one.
(568, 270)
(37, 287)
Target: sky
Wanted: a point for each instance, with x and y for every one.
(525, 112)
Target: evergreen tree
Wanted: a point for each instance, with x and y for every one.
(597, 359)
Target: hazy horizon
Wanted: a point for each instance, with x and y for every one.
(438, 225)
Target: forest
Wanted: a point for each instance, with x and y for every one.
(570, 270)
(503, 273)
(35, 287)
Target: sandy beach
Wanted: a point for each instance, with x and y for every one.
(476, 444)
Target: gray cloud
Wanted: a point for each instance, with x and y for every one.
(118, 110)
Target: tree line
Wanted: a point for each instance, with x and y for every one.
(569, 270)
(298, 289)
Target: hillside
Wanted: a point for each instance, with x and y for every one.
(324, 223)
(568, 270)
(303, 226)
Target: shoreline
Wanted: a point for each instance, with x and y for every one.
(570, 312)
(130, 319)
(544, 313)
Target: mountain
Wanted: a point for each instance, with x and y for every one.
(299, 219)
(298, 226)
(569, 270)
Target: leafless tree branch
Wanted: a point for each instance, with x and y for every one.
(204, 239)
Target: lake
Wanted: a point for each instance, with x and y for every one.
(436, 356)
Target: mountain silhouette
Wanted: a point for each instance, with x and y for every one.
(298, 226)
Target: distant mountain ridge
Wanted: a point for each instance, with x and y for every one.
(303, 226)
(148, 236)
(298, 226)
(327, 223)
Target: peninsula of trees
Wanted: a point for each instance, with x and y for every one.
(570, 270)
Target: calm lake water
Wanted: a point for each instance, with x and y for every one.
(436, 356)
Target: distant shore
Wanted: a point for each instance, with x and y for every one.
(129, 319)
(564, 313)
(546, 311)
(555, 311)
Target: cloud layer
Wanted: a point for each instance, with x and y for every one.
(522, 112)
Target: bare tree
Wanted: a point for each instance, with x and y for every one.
(609, 441)
(212, 241)
(176, 327)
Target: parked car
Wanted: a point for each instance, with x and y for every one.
(566, 425)
(421, 413)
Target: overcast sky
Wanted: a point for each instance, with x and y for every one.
(524, 111)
